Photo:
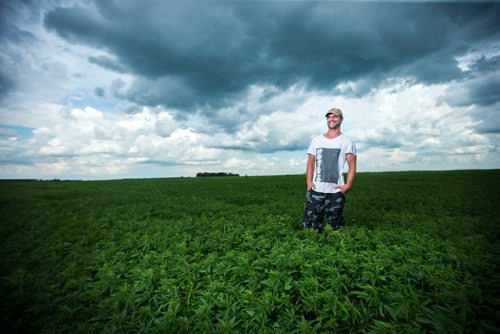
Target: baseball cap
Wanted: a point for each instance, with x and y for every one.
(334, 111)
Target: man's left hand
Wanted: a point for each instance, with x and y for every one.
(344, 189)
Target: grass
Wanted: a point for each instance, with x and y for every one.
(419, 254)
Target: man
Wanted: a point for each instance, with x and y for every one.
(327, 155)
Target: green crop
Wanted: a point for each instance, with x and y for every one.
(419, 254)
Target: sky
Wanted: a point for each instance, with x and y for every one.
(109, 89)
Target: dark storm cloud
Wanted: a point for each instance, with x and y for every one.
(489, 122)
(108, 63)
(12, 35)
(6, 84)
(9, 10)
(480, 86)
(484, 91)
(205, 54)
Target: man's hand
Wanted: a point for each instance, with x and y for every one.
(351, 163)
(311, 185)
(311, 160)
(344, 189)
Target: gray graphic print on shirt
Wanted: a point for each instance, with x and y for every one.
(327, 162)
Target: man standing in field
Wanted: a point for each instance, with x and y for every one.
(327, 155)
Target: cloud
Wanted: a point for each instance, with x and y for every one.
(196, 55)
(108, 63)
(482, 76)
(479, 90)
(488, 120)
(6, 84)
(398, 133)
(482, 89)
(7, 133)
(89, 138)
(10, 13)
(109, 89)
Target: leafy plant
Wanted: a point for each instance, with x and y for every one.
(419, 254)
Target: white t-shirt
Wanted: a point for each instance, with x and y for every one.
(330, 160)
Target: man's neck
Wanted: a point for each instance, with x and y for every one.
(332, 133)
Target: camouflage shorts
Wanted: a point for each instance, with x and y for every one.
(318, 204)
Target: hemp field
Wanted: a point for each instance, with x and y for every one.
(419, 254)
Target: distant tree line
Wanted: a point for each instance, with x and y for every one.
(205, 174)
(29, 180)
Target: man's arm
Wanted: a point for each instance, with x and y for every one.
(311, 160)
(351, 173)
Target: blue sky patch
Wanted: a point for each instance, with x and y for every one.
(21, 132)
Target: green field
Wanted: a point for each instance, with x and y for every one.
(419, 254)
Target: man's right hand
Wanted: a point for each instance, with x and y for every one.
(311, 185)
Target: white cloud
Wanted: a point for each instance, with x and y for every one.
(398, 124)
(402, 126)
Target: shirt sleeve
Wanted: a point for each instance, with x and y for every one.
(312, 147)
(351, 148)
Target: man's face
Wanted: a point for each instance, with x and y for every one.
(333, 121)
